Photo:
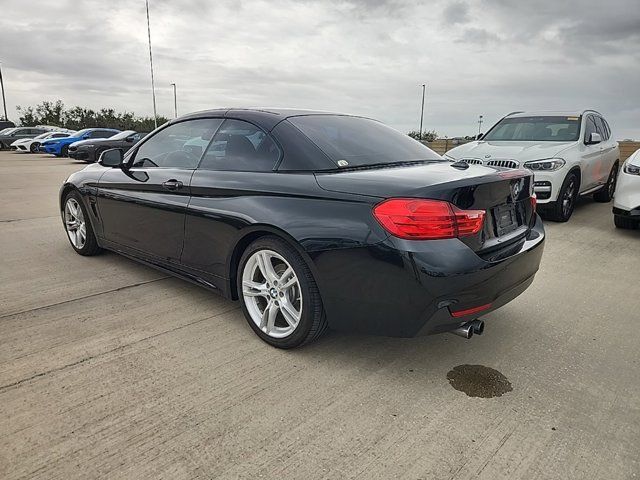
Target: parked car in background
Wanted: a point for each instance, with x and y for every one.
(33, 144)
(570, 154)
(89, 150)
(626, 204)
(60, 146)
(314, 220)
(6, 124)
(7, 138)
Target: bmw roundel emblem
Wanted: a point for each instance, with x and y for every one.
(516, 188)
(488, 155)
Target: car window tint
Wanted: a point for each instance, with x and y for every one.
(601, 129)
(241, 146)
(589, 127)
(59, 135)
(177, 146)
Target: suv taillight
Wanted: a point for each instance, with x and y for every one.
(422, 219)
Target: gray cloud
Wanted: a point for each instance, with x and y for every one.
(366, 57)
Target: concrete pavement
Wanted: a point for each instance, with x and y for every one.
(109, 369)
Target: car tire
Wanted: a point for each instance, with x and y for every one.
(33, 148)
(78, 226)
(605, 194)
(562, 209)
(286, 317)
(64, 151)
(625, 222)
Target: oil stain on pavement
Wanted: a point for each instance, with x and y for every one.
(479, 381)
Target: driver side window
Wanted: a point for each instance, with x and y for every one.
(178, 146)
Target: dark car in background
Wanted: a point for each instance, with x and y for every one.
(10, 136)
(314, 220)
(89, 150)
(60, 146)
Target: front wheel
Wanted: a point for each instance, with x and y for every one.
(279, 296)
(605, 194)
(33, 148)
(562, 208)
(78, 226)
(625, 222)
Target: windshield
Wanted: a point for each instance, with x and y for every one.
(122, 135)
(536, 129)
(80, 133)
(361, 141)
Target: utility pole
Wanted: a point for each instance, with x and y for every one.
(153, 88)
(480, 124)
(175, 101)
(422, 111)
(4, 102)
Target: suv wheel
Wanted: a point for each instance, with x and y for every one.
(625, 222)
(562, 208)
(605, 194)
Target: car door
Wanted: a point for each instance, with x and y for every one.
(608, 153)
(142, 206)
(230, 178)
(591, 155)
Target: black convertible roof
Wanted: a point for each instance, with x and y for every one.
(267, 118)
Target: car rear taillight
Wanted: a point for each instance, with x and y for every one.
(422, 219)
(470, 311)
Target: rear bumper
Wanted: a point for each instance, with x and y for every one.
(403, 288)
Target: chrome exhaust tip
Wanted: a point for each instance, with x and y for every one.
(464, 331)
(468, 329)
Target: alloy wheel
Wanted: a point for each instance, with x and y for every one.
(568, 197)
(272, 294)
(74, 223)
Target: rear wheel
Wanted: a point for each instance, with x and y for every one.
(279, 296)
(625, 222)
(562, 208)
(78, 226)
(606, 193)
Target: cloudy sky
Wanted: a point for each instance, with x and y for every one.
(477, 57)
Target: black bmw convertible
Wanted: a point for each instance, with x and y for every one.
(312, 221)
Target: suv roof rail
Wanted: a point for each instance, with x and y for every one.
(513, 113)
(592, 111)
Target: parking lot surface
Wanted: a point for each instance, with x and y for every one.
(111, 369)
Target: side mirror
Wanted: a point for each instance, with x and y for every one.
(111, 158)
(479, 136)
(130, 139)
(594, 138)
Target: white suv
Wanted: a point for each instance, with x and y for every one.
(570, 154)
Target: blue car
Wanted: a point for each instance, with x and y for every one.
(60, 146)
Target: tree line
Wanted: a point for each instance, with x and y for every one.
(77, 118)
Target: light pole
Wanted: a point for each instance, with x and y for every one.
(175, 101)
(422, 111)
(4, 102)
(153, 88)
(480, 124)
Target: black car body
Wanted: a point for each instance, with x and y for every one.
(19, 133)
(195, 220)
(89, 150)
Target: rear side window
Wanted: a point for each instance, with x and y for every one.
(102, 134)
(601, 128)
(241, 146)
(177, 146)
(59, 135)
(589, 128)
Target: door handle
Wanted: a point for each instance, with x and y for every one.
(172, 184)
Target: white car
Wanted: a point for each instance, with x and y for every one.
(626, 205)
(570, 154)
(32, 144)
